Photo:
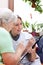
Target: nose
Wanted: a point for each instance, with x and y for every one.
(19, 26)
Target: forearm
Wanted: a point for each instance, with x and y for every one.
(19, 51)
(32, 54)
(20, 64)
(9, 59)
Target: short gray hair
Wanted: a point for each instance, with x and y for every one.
(7, 16)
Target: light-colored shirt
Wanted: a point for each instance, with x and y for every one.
(24, 37)
(5, 42)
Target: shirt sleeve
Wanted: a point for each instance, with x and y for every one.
(5, 42)
(26, 38)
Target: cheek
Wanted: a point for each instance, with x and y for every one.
(21, 27)
(15, 29)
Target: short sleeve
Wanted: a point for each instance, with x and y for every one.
(5, 41)
(26, 37)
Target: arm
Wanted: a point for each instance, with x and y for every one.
(6, 49)
(11, 58)
(32, 50)
(31, 42)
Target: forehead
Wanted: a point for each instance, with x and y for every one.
(18, 21)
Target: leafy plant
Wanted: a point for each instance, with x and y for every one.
(33, 26)
(35, 4)
(25, 24)
(40, 26)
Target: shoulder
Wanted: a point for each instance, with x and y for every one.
(26, 35)
(5, 41)
(4, 35)
(3, 31)
(25, 38)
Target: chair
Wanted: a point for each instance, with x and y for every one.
(39, 50)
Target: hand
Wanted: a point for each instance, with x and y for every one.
(32, 53)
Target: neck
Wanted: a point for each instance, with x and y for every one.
(15, 37)
(14, 34)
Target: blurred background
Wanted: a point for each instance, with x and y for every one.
(32, 16)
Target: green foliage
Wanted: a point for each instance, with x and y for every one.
(39, 26)
(33, 26)
(36, 4)
(38, 8)
(25, 24)
(25, 0)
(38, 1)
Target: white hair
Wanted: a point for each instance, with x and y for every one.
(7, 15)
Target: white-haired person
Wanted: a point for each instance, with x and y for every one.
(7, 54)
(24, 41)
(7, 18)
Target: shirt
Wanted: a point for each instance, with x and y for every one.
(24, 37)
(5, 42)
